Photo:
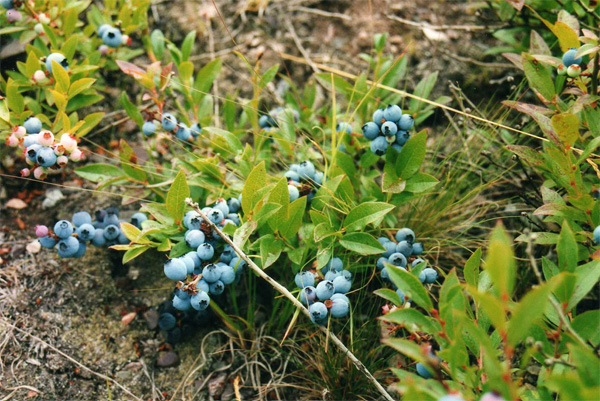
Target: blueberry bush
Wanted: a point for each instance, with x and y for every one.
(330, 206)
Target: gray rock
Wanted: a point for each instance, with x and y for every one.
(167, 360)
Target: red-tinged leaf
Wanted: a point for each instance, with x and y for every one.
(131, 69)
(517, 4)
(515, 59)
(528, 154)
(539, 115)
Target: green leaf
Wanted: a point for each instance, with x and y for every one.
(99, 172)
(587, 277)
(205, 78)
(587, 325)
(129, 162)
(130, 231)
(270, 249)
(242, 234)
(134, 252)
(566, 248)
(389, 295)
(471, 270)
(527, 313)
(411, 319)
(539, 76)
(188, 45)
(409, 348)
(491, 306)
(362, 243)
(268, 76)
(420, 182)
(176, 196)
(90, 121)
(411, 156)
(566, 126)
(131, 110)
(157, 40)
(61, 76)
(294, 218)
(256, 180)
(410, 286)
(500, 263)
(366, 213)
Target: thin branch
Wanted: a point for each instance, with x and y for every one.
(321, 12)
(426, 25)
(280, 288)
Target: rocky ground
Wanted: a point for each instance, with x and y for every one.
(69, 325)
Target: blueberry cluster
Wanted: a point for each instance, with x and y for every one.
(12, 14)
(328, 297)
(211, 267)
(71, 237)
(111, 38)
(389, 127)
(170, 124)
(43, 151)
(303, 179)
(570, 65)
(175, 323)
(270, 121)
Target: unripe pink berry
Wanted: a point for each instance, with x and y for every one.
(19, 131)
(45, 138)
(38, 28)
(574, 70)
(25, 172)
(76, 155)
(68, 142)
(59, 150)
(125, 40)
(62, 160)
(103, 49)
(44, 18)
(13, 15)
(561, 70)
(40, 77)
(40, 173)
(12, 140)
(41, 231)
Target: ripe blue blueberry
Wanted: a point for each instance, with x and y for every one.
(397, 147)
(339, 308)
(183, 132)
(122, 239)
(325, 290)
(336, 264)
(596, 235)
(380, 262)
(405, 234)
(63, 229)
(32, 125)
(339, 295)
(294, 193)
(304, 279)
(343, 283)
(234, 205)
(181, 304)
(238, 265)
(112, 37)
(182, 294)
(149, 128)
(189, 264)
(30, 140)
(202, 285)
(385, 274)
(389, 129)
(67, 247)
(85, 232)
(215, 215)
(306, 171)
(308, 295)
(60, 59)
(379, 146)
(406, 122)
(102, 29)
(318, 312)
(222, 205)
(196, 129)
(217, 287)
(235, 218)
(192, 220)
(423, 371)
(228, 254)
(569, 59)
(137, 219)
(370, 130)
(417, 248)
(227, 274)
(200, 300)
(194, 256)
(266, 121)
(46, 157)
(416, 262)
(405, 248)
(111, 232)
(392, 113)
(428, 275)
(166, 322)
(331, 275)
(378, 117)
(383, 240)
(32, 152)
(319, 175)
(401, 295)
(194, 238)
(292, 175)
(98, 239)
(402, 137)
(80, 218)
(111, 220)
(397, 259)
(175, 269)
(390, 248)
(169, 122)
(211, 273)
(7, 4)
(47, 241)
(206, 251)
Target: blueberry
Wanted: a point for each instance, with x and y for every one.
(32, 152)
(308, 295)
(238, 265)
(343, 283)
(343, 127)
(389, 129)
(331, 275)
(215, 216)
(405, 234)
(339, 308)
(266, 121)
(404, 247)
(596, 235)
(111, 220)
(569, 58)
(417, 248)
(67, 247)
(379, 146)
(7, 4)
(111, 232)
(390, 248)
(383, 240)
(378, 117)
(174, 336)
(400, 294)
(196, 129)
(189, 263)
(47, 241)
(181, 304)
(294, 193)
(318, 312)
(380, 262)
(392, 113)
(338, 295)
(194, 238)
(98, 239)
(227, 274)
(102, 29)
(169, 122)
(292, 175)
(235, 218)
(29, 140)
(200, 300)
(60, 59)
(192, 220)
(137, 219)
(63, 229)
(234, 205)
(304, 279)
(202, 285)
(112, 37)
(80, 218)
(402, 137)
(166, 322)
(336, 264)
(206, 251)
(431, 275)
(33, 125)
(293, 167)
(175, 269)
(370, 130)
(319, 175)
(385, 274)
(183, 132)
(221, 205)
(397, 259)
(416, 262)
(306, 171)
(211, 273)
(423, 371)
(217, 287)
(406, 122)
(325, 290)
(149, 128)
(85, 232)
(228, 254)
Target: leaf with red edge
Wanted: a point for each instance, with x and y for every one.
(131, 69)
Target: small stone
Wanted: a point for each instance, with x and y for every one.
(34, 246)
(17, 250)
(16, 203)
(167, 360)
(151, 317)
(217, 385)
(128, 318)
